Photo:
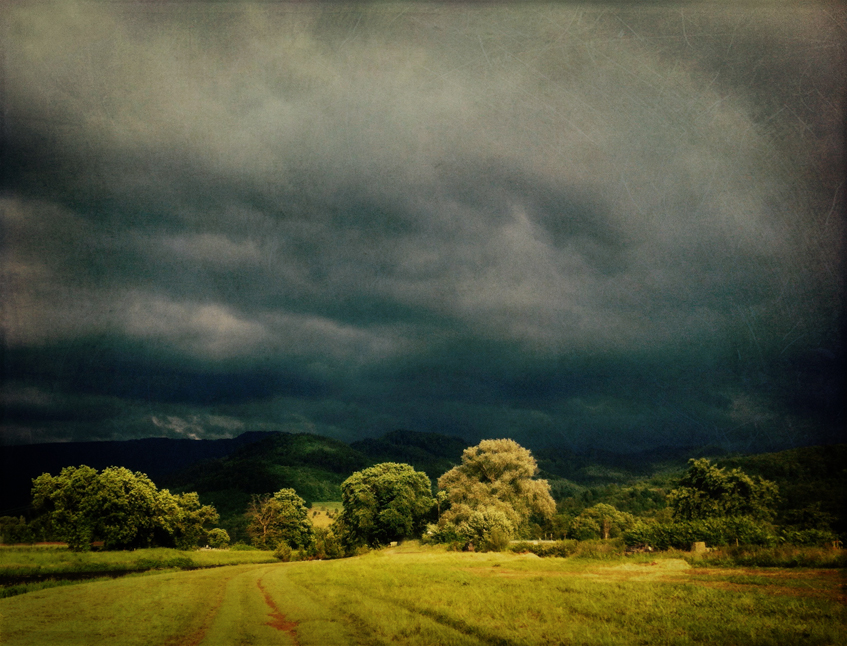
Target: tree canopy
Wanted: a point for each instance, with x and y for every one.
(121, 508)
(600, 521)
(494, 488)
(707, 491)
(279, 518)
(384, 503)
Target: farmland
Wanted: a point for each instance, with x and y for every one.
(422, 595)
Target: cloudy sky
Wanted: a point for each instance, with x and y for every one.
(575, 225)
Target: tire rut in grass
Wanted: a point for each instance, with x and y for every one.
(197, 637)
(458, 625)
(278, 619)
(453, 623)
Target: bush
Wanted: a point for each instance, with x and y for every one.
(600, 549)
(217, 538)
(591, 549)
(14, 530)
(486, 529)
(497, 540)
(283, 552)
(325, 545)
(559, 549)
(809, 537)
(715, 532)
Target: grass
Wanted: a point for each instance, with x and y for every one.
(319, 513)
(24, 561)
(27, 569)
(420, 595)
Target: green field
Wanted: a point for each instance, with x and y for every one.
(424, 596)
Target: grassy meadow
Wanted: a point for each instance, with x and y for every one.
(323, 514)
(420, 595)
(25, 569)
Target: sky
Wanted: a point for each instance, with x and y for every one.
(575, 225)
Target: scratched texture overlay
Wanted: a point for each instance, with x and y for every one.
(574, 225)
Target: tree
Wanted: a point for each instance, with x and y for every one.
(67, 501)
(14, 530)
(494, 488)
(279, 518)
(384, 503)
(600, 521)
(121, 508)
(706, 491)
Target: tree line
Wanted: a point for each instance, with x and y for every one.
(491, 498)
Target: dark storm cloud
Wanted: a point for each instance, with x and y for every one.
(569, 224)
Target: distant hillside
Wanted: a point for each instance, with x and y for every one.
(812, 481)
(313, 465)
(432, 453)
(597, 468)
(155, 456)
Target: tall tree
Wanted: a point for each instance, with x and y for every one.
(279, 518)
(384, 503)
(494, 486)
(706, 491)
(121, 508)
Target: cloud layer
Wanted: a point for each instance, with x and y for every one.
(580, 225)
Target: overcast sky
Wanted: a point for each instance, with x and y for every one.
(575, 225)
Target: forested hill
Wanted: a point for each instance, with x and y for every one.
(596, 467)
(812, 482)
(432, 453)
(226, 473)
(312, 464)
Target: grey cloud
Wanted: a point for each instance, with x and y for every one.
(357, 197)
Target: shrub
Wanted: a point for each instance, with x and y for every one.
(283, 552)
(808, 537)
(487, 529)
(600, 549)
(680, 534)
(217, 538)
(325, 545)
(497, 540)
(559, 549)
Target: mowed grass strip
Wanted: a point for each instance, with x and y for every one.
(169, 608)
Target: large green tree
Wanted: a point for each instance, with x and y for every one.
(279, 518)
(494, 488)
(123, 509)
(707, 491)
(384, 503)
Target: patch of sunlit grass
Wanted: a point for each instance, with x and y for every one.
(419, 595)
